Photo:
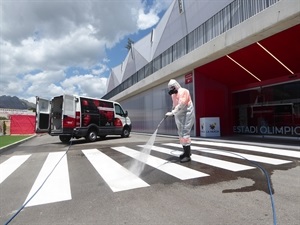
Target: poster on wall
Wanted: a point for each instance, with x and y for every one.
(188, 78)
(210, 127)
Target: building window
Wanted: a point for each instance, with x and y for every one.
(180, 6)
(272, 110)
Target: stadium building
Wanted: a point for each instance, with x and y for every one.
(239, 59)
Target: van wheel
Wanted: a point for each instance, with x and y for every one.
(91, 136)
(64, 139)
(125, 132)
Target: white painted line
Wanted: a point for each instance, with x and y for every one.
(274, 151)
(181, 172)
(115, 175)
(57, 187)
(10, 165)
(209, 161)
(255, 158)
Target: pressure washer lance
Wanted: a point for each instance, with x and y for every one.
(161, 122)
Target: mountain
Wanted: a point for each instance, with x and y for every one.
(14, 102)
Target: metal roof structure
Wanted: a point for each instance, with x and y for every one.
(260, 48)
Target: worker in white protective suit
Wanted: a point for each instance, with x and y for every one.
(183, 111)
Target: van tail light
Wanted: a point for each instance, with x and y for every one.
(77, 119)
(68, 122)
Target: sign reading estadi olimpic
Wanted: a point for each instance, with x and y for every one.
(268, 130)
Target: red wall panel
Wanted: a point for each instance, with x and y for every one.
(22, 124)
(213, 99)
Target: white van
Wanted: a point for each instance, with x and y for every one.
(70, 116)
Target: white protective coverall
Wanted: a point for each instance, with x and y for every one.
(183, 111)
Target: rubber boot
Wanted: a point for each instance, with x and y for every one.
(186, 154)
(183, 154)
(184, 151)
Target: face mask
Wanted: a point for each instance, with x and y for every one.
(173, 91)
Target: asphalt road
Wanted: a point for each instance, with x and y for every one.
(94, 183)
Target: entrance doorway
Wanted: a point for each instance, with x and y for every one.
(272, 110)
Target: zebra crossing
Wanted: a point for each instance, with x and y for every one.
(54, 174)
(235, 167)
(116, 176)
(10, 165)
(57, 187)
(178, 171)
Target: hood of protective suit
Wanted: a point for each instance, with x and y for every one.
(173, 84)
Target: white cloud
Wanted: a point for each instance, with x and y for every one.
(147, 20)
(54, 47)
(44, 84)
(148, 16)
(87, 85)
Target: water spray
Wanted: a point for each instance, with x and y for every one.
(138, 165)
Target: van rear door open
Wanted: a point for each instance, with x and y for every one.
(43, 108)
(69, 113)
(63, 114)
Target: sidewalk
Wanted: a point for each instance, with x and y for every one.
(278, 142)
(266, 141)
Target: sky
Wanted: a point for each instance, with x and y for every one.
(55, 47)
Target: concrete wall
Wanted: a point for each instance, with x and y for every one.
(282, 15)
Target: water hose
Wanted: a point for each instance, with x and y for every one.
(23, 206)
(268, 180)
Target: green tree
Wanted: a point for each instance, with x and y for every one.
(4, 128)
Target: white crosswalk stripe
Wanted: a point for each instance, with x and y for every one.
(210, 161)
(57, 188)
(116, 176)
(255, 158)
(273, 151)
(172, 169)
(10, 165)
